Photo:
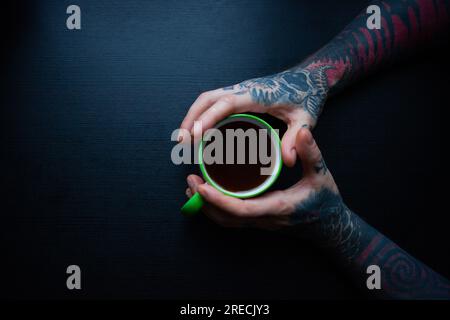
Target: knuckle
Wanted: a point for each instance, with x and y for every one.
(228, 100)
(213, 109)
(204, 96)
(282, 205)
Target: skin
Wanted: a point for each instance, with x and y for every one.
(297, 95)
(313, 206)
(314, 209)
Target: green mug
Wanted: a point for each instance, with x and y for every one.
(195, 203)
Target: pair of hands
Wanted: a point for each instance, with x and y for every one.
(294, 97)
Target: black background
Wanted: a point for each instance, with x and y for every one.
(86, 119)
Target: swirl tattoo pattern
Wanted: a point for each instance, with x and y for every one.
(403, 277)
(326, 219)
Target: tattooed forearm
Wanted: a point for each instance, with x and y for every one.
(357, 245)
(357, 50)
(353, 53)
(403, 277)
(328, 221)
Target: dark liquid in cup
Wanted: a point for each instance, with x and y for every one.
(240, 177)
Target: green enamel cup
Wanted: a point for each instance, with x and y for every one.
(195, 203)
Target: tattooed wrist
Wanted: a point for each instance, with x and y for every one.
(329, 223)
(356, 245)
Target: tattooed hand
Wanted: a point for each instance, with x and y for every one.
(295, 96)
(314, 209)
(300, 88)
(315, 193)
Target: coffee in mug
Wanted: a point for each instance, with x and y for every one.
(240, 156)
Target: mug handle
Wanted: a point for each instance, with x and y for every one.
(193, 205)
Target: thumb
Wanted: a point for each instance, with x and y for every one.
(194, 182)
(309, 153)
(288, 145)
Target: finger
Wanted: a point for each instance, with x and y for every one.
(212, 212)
(309, 153)
(209, 210)
(231, 205)
(225, 106)
(193, 182)
(203, 102)
(288, 141)
(270, 204)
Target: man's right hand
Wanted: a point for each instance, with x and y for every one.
(312, 200)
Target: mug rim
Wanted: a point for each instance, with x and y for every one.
(273, 177)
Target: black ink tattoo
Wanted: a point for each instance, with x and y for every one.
(330, 222)
(301, 88)
(357, 245)
(321, 167)
(352, 54)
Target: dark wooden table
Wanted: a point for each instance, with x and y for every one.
(85, 149)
